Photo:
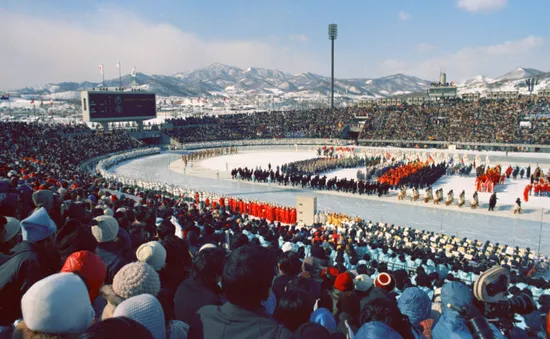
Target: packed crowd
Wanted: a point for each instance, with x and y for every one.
(80, 262)
(456, 120)
(316, 123)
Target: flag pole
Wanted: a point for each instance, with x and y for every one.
(119, 74)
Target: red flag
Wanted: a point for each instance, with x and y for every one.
(32, 101)
(51, 102)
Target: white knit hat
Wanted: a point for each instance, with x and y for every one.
(152, 253)
(58, 304)
(10, 229)
(363, 282)
(205, 246)
(287, 247)
(108, 212)
(135, 279)
(146, 310)
(106, 229)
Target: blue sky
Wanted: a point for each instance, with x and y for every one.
(64, 40)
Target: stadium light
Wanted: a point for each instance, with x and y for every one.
(332, 35)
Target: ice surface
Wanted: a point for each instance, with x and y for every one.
(501, 226)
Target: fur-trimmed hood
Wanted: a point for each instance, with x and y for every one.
(113, 300)
(23, 332)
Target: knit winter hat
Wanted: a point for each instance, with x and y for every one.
(9, 227)
(135, 279)
(287, 247)
(146, 310)
(344, 282)
(106, 229)
(43, 198)
(90, 268)
(385, 281)
(205, 246)
(58, 304)
(38, 226)
(152, 253)
(363, 283)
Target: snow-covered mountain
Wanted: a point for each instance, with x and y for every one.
(223, 80)
(219, 79)
(511, 81)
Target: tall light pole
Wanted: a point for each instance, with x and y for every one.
(332, 35)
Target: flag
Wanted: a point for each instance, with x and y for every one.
(51, 102)
(101, 69)
(118, 64)
(134, 72)
(5, 97)
(32, 101)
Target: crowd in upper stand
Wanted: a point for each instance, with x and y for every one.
(487, 121)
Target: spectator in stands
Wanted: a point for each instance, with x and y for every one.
(10, 235)
(246, 280)
(118, 327)
(294, 309)
(201, 288)
(178, 263)
(133, 279)
(146, 310)
(289, 266)
(30, 261)
(109, 246)
(57, 306)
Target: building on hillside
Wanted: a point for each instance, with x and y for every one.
(506, 95)
(474, 96)
(544, 93)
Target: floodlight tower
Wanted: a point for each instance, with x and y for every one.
(332, 35)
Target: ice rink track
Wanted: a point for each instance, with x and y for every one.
(501, 226)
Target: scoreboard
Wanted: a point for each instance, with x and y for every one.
(98, 106)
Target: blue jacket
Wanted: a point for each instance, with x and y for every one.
(452, 325)
(377, 330)
(415, 304)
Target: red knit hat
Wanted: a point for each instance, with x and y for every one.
(385, 281)
(329, 272)
(344, 282)
(90, 268)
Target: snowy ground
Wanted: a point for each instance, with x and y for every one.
(501, 226)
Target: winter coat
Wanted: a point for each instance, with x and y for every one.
(279, 285)
(177, 330)
(192, 294)
(451, 324)
(376, 329)
(27, 264)
(415, 304)
(111, 254)
(230, 321)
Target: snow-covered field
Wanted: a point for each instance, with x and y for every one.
(501, 226)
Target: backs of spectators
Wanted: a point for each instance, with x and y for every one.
(31, 260)
(289, 266)
(294, 309)
(109, 247)
(55, 306)
(178, 263)
(202, 287)
(246, 281)
(119, 327)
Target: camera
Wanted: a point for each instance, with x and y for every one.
(490, 291)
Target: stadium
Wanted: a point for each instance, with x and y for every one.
(129, 211)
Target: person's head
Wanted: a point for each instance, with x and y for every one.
(294, 309)
(10, 233)
(165, 229)
(311, 330)
(90, 268)
(247, 276)
(208, 264)
(39, 228)
(58, 304)
(105, 228)
(152, 253)
(146, 310)
(385, 310)
(289, 264)
(349, 302)
(73, 237)
(377, 329)
(119, 327)
(415, 304)
(177, 252)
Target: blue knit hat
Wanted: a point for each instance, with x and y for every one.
(38, 226)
